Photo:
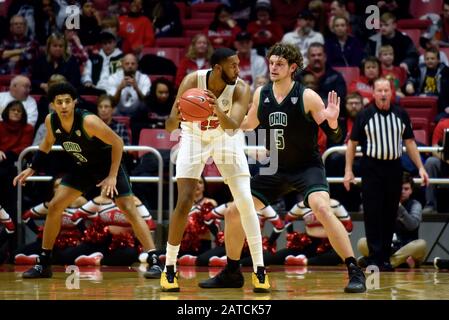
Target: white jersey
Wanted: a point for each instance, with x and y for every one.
(199, 141)
(224, 101)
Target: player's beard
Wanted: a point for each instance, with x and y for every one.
(226, 79)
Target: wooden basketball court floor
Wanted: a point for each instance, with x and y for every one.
(288, 283)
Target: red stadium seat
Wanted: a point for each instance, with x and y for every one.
(157, 138)
(5, 79)
(173, 54)
(102, 5)
(127, 122)
(421, 124)
(414, 34)
(184, 9)
(421, 136)
(202, 15)
(421, 24)
(173, 42)
(420, 107)
(195, 24)
(419, 8)
(211, 170)
(205, 6)
(91, 99)
(153, 77)
(349, 74)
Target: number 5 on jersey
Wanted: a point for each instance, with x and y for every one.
(279, 138)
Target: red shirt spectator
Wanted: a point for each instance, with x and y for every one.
(223, 29)
(438, 132)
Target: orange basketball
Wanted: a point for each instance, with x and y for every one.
(194, 106)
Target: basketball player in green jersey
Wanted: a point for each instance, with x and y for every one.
(292, 115)
(97, 152)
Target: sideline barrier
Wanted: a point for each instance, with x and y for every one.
(158, 179)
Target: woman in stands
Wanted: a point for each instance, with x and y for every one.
(197, 57)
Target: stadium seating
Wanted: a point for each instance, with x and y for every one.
(421, 136)
(349, 74)
(157, 138)
(205, 6)
(422, 127)
(421, 24)
(173, 42)
(414, 34)
(420, 107)
(419, 8)
(173, 54)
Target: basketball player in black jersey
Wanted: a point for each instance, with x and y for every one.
(292, 115)
(97, 152)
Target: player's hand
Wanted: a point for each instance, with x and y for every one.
(21, 178)
(108, 188)
(348, 179)
(333, 107)
(2, 156)
(212, 100)
(178, 112)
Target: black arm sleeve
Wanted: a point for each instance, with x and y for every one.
(335, 135)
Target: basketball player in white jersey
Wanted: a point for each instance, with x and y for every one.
(219, 137)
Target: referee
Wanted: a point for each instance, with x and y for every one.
(381, 129)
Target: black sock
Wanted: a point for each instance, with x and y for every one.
(233, 265)
(349, 261)
(45, 257)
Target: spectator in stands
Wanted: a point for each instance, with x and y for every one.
(17, 51)
(342, 49)
(197, 57)
(319, 12)
(15, 135)
(405, 53)
(19, 89)
(56, 60)
(426, 43)
(443, 32)
(436, 166)
(102, 64)
(264, 30)
(396, 75)
(135, 29)
(89, 24)
(76, 48)
(370, 71)
(303, 35)
(328, 78)
(105, 110)
(26, 9)
(335, 162)
(45, 20)
(251, 64)
(286, 12)
(406, 247)
(431, 79)
(128, 86)
(355, 23)
(223, 29)
(164, 14)
(155, 110)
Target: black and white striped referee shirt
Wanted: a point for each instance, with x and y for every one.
(380, 133)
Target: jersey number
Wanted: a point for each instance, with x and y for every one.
(279, 138)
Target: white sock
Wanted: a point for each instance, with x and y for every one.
(241, 191)
(3, 214)
(143, 211)
(171, 256)
(40, 209)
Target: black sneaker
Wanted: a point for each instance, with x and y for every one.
(38, 271)
(225, 279)
(154, 269)
(357, 281)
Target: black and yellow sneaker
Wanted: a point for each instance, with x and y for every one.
(225, 279)
(357, 280)
(38, 271)
(155, 267)
(261, 283)
(169, 280)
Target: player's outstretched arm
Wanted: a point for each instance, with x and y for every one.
(39, 158)
(250, 122)
(95, 127)
(189, 81)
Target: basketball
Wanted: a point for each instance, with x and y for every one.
(194, 106)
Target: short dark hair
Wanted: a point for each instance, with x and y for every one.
(289, 52)
(220, 55)
(407, 178)
(5, 113)
(61, 88)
